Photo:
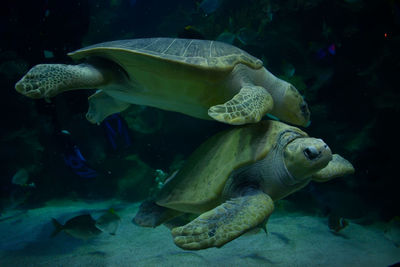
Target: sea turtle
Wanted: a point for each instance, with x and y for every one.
(201, 78)
(233, 179)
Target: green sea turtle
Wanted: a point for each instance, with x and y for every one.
(233, 179)
(200, 78)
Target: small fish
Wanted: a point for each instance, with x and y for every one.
(336, 223)
(246, 36)
(21, 177)
(226, 37)
(109, 222)
(190, 32)
(288, 69)
(81, 227)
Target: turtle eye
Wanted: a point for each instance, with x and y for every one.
(311, 152)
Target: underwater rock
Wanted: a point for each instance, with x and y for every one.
(15, 197)
(392, 231)
(143, 119)
(23, 149)
(136, 180)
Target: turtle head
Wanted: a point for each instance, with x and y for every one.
(293, 108)
(305, 156)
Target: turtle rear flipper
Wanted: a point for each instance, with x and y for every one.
(102, 105)
(225, 222)
(48, 80)
(248, 106)
(151, 215)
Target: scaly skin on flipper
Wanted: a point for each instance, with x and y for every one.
(102, 105)
(48, 80)
(248, 106)
(338, 166)
(225, 222)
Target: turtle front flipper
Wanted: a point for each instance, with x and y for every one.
(337, 167)
(225, 222)
(48, 80)
(102, 105)
(248, 106)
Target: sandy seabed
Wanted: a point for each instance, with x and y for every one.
(293, 240)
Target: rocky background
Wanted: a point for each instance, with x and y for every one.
(342, 55)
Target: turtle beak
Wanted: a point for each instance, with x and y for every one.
(313, 152)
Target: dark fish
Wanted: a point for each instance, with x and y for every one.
(21, 177)
(226, 37)
(81, 227)
(246, 36)
(336, 223)
(109, 222)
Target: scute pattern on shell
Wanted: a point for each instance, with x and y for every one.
(198, 185)
(200, 53)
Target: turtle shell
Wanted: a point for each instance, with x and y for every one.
(198, 186)
(202, 54)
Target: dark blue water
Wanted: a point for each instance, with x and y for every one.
(342, 56)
